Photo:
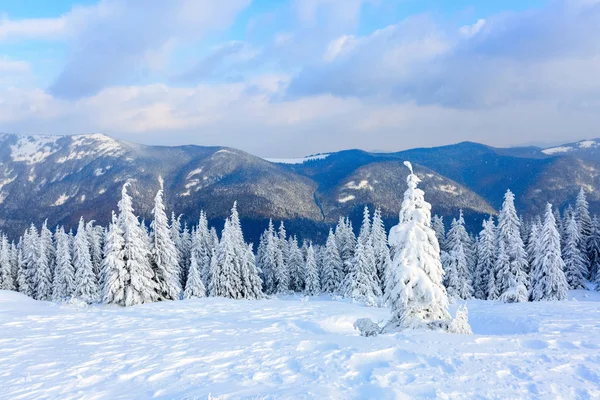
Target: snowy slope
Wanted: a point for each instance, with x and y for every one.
(292, 348)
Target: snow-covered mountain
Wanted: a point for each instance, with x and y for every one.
(64, 177)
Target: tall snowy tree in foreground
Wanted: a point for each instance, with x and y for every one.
(548, 280)
(141, 287)
(414, 289)
(575, 264)
(332, 272)
(6, 277)
(63, 285)
(312, 275)
(511, 277)
(485, 271)
(164, 253)
(86, 282)
(115, 275)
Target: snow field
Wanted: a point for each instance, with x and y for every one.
(294, 347)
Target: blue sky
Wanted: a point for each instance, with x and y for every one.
(294, 77)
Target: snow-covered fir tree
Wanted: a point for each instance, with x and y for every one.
(437, 224)
(250, 281)
(593, 250)
(95, 235)
(6, 277)
(584, 220)
(194, 287)
(548, 280)
(164, 253)
(332, 270)
(185, 250)
(29, 259)
(63, 286)
(380, 247)
(312, 276)
(116, 277)
(485, 272)
(361, 283)
(532, 241)
(575, 264)
(202, 247)
(457, 277)
(414, 288)
(512, 280)
(47, 243)
(266, 259)
(141, 287)
(86, 282)
(225, 281)
(295, 264)
(175, 233)
(42, 273)
(346, 242)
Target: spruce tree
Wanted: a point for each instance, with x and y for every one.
(512, 279)
(332, 266)
(30, 257)
(437, 224)
(486, 262)
(115, 275)
(414, 288)
(312, 277)
(296, 265)
(141, 287)
(346, 242)
(175, 233)
(63, 286)
(575, 264)
(95, 235)
(6, 277)
(194, 287)
(86, 283)
(593, 249)
(250, 282)
(380, 247)
(455, 262)
(548, 280)
(164, 253)
(226, 281)
(42, 273)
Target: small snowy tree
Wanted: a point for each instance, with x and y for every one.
(311, 273)
(575, 263)
(42, 273)
(30, 257)
(346, 242)
(95, 235)
(164, 253)
(380, 248)
(414, 288)
(593, 248)
(512, 279)
(6, 277)
(486, 261)
(583, 218)
(63, 285)
(456, 266)
(332, 266)
(437, 224)
(194, 287)
(295, 265)
(141, 287)
(86, 283)
(548, 280)
(175, 233)
(115, 276)
(226, 281)
(250, 282)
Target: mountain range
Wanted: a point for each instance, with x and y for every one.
(64, 177)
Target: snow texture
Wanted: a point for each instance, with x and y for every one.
(294, 348)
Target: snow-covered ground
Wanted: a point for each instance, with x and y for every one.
(294, 348)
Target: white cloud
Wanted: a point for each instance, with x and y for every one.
(38, 29)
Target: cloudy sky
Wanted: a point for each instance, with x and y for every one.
(285, 78)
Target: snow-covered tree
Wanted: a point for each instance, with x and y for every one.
(202, 247)
(185, 250)
(312, 276)
(141, 287)
(380, 247)
(575, 264)
(42, 272)
(295, 264)
(86, 282)
(164, 253)
(346, 242)
(194, 287)
(532, 242)
(593, 249)
(332, 271)
(47, 243)
(63, 286)
(226, 281)
(29, 259)
(437, 224)
(250, 281)
(512, 279)
(548, 280)
(95, 235)
(6, 277)
(115, 275)
(485, 272)
(175, 233)
(582, 215)
(457, 277)
(414, 288)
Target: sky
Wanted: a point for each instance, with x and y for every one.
(288, 78)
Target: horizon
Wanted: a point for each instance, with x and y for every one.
(295, 77)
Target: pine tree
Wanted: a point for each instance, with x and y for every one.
(455, 262)
(296, 265)
(266, 259)
(202, 246)
(312, 277)
(6, 277)
(414, 288)
(86, 283)
(30, 256)
(63, 286)
(226, 281)
(593, 249)
(14, 262)
(194, 287)
(486, 261)
(532, 251)
(47, 243)
(175, 233)
(332, 266)
(346, 242)
(141, 287)
(250, 281)
(116, 277)
(548, 280)
(164, 253)
(437, 224)
(512, 279)
(575, 264)
(380, 248)
(186, 252)
(95, 235)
